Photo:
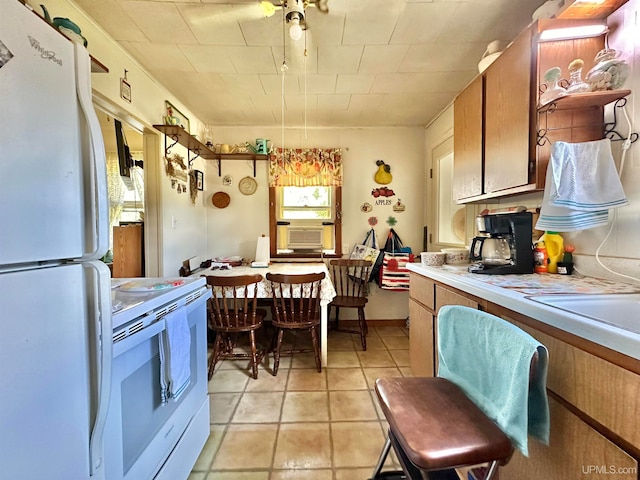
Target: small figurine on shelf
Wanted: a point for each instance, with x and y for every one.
(554, 90)
(576, 84)
(610, 71)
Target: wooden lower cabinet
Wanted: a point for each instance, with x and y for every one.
(575, 451)
(594, 395)
(421, 348)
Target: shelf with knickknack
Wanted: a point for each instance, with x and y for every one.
(199, 149)
(583, 101)
(238, 156)
(188, 141)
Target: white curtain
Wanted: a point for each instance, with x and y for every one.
(116, 189)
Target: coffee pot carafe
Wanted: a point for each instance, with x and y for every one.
(491, 250)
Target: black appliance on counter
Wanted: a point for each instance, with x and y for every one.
(516, 229)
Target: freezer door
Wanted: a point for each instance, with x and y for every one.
(51, 369)
(48, 179)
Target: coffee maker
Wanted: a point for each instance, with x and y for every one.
(505, 245)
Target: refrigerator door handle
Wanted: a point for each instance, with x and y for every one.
(104, 360)
(98, 196)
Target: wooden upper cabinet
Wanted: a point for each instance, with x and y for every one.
(508, 113)
(467, 140)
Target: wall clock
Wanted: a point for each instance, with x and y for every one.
(247, 186)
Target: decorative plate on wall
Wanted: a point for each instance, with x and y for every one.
(248, 185)
(221, 199)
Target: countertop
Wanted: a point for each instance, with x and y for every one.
(511, 291)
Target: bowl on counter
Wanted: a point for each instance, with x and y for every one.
(456, 256)
(432, 259)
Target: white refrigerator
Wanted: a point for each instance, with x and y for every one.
(55, 305)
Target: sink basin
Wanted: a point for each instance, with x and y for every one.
(618, 310)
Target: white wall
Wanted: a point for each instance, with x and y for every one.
(620, 252)
(234, 230)
(188, 238)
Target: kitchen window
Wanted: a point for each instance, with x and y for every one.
(305, 197)
(305, 220)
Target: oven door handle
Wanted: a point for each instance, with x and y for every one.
(137, 338)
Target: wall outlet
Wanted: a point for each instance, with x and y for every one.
(345, 248)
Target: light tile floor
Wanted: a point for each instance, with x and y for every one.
(302, 424)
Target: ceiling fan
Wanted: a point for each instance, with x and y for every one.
(294, 13)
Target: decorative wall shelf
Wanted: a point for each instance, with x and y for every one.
(199, 149)
(188, 141)
(583, 101)
(97, 66)
(239, 156)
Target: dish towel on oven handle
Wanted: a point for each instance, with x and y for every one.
(175, 355)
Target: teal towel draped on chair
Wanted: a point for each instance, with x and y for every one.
(498, 384)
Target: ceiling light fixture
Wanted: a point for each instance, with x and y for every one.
(584, 31)
(295, 17)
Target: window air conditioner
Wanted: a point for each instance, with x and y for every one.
(304, 238)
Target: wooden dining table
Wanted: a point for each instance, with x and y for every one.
(327, 291)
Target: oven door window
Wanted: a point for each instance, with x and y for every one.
(143, 413)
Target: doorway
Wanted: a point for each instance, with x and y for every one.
(124, 150)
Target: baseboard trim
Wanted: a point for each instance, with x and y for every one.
(372, 323)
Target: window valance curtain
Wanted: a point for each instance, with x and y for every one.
(305, 167)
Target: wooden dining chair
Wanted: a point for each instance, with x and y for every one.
(296, 306)
(231, 311)
(350, 279)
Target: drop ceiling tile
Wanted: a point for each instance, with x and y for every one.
(208, 58)
(348, 83)
(297, 61)
(272, 84)
(382, 58)
(360, 103)
(371, 22)
(246, 84)
(339, 59)
(442, 57)
(260, 117)
(114, 19)
(323, 84)
(252, 59)
(160, 22)
(487, 21)
(423, 22)
(159, 57)
(262, 31)
(421, 82)
(213, 24)
(325, 29)
(270, 102)
(297, 102)
(333, 102)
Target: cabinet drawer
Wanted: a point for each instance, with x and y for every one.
(605, 392)
(445, 296)
(421, 289)
(575, 451)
